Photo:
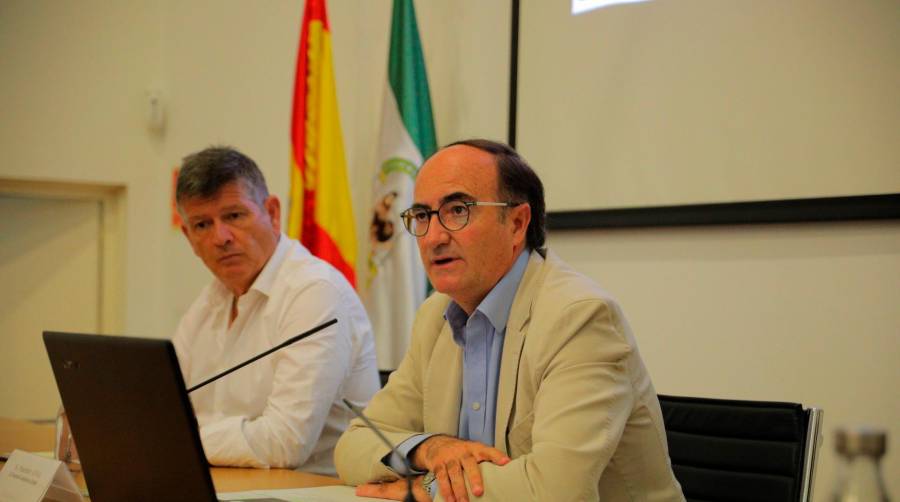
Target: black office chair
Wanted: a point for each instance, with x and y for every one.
(384, 375)
(742, 451)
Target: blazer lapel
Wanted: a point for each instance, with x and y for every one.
(516, 328)
(443, 389)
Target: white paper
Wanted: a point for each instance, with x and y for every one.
(318, 494)
(27, 477)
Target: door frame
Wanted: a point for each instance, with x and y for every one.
(111, 199)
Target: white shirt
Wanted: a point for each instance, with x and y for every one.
(283, 410)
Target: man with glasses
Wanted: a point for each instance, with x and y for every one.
(523, 380)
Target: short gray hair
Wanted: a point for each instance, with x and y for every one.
(204, 173)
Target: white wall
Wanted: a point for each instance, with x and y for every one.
(72, 80)
(718, 311)
(803, 313)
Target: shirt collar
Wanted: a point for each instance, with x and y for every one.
(266, 278)
(496, 305)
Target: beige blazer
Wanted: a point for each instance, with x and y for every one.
(576, 411)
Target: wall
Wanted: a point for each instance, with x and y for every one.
(801, 313)
(719, 311)
(72, 88)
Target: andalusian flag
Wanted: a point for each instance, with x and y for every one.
(320, 214)
(396, 282)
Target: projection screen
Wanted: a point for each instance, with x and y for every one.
(671, 102)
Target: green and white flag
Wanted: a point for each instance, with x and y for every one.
(396, 279)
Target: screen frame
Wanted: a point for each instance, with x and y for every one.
(844, 208)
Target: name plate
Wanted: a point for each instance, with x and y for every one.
(27, 477)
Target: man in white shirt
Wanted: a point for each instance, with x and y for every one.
(284, 410)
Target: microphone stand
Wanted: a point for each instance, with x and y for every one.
(409, 470)
(281, 345)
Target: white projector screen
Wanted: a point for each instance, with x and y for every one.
(672, 102)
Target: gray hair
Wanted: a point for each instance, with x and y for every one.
(204, 173)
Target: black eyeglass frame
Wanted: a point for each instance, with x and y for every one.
(409, 219)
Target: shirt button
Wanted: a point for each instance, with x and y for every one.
(476, 406)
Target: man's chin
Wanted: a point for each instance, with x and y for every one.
(232, 277)
(443, 285)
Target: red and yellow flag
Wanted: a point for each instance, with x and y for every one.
(320, 214)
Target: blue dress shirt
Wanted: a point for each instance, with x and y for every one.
(480, 336)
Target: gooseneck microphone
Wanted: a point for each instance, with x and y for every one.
(409, 470)
(281, 345)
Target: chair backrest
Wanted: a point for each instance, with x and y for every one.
(729, 450)
(383, 376)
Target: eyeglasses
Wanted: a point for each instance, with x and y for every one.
(453, 215)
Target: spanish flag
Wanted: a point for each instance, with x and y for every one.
(320, 214)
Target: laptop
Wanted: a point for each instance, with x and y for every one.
(131, 418)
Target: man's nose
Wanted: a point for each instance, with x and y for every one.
(436, 234)
(222, 235)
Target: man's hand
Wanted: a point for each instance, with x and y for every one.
(454, 460)
(393, 490)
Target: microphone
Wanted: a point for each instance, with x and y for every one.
(281, 345)
(409, 486)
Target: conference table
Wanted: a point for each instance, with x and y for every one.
(34, 437)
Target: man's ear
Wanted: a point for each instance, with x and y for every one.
(181, 223)
(184, 231)
(273, 209)
(521, 218)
